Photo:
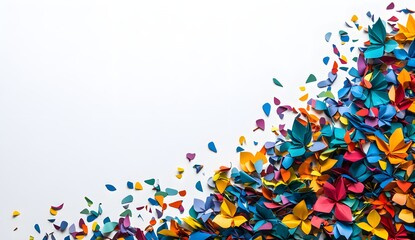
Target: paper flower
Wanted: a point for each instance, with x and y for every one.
(299, 217)
(227, 218)
(402, 54)
(334, 195)
(383, 205)
(396, 149)
(372, 225)
(314, 171)
(406, 33)
(300, 138)
(378, 41)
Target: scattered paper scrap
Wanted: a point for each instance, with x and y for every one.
(15, 213)
(212, 147)
(199, 186)
(276, 82)
(190, 156)
(110, 187)
(311, 78)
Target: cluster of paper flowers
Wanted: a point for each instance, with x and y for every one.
(345, 171)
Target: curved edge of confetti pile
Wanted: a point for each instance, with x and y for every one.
(345, 169)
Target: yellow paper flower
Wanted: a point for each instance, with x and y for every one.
(299, 217)
(372, 225)
(406, 33)
(227, 218)
(313, 170)
(396, 150)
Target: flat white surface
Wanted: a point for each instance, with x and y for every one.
(96, 92)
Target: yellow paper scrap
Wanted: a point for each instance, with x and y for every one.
(138, 186)
(16, 213)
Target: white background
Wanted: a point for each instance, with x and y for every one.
(96, 92)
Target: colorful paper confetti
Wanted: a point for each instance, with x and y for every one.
(344, 169)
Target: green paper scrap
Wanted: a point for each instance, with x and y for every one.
(127, 199)
(326, 94)
(151, 181)
(109, 227)
(276, 82)
(84, 211)
(311, 78)
(127, 212)
(89, 202)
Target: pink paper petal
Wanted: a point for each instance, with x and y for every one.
(390, 6)
(282, 109)
(266, 226)
(260, 123)
(393, 19)
(356, 187)
(284, 200)
(371, 122)
(271, 205)
(329, 190)
(277, 101)
(190, 156)
(340, 190)
(342, 212)
(316, 221)
(127, 222)
(57, 207)
(354, 156)
(324, 205)
(361, 64)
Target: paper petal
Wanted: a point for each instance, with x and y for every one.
(407, 216)
(343, 212)
(190, 156)
(239, 220)
(276, 82)
(380, 232)
(291, 221)
(341, 229)
(260, 123)
(212, 147)
(199, 186)
(266, 108)
(222, 221)
(373, 218)
(306, 227)
(327, 36)
(110, 187)
(323, 204)
(300, 210)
